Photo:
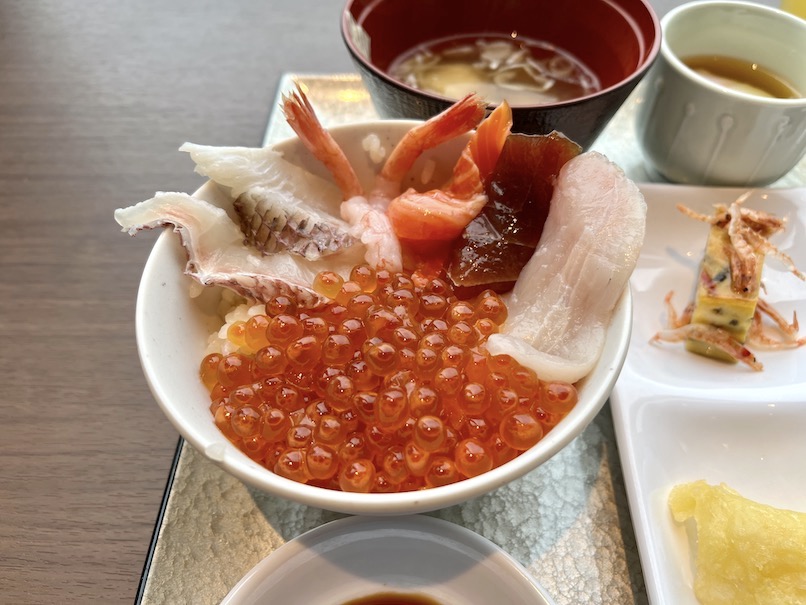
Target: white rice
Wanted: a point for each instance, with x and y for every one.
(231, 309)
(372, 144)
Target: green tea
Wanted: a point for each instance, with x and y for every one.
(742, 76)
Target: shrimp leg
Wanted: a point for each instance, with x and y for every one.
(716, 337)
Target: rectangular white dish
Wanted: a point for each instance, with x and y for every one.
(680, 417)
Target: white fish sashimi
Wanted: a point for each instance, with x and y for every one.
(563, 301)
(242, 168)
(279, 205)
(216, 252)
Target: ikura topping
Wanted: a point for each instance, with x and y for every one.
(387, 388)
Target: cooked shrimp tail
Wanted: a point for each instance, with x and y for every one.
(479, 158)
(301, 117)
(459, 118)
(442, 214)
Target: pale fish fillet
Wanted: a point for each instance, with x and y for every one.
(216, 252)
(279, 204)
(563, 301)
(241, 168)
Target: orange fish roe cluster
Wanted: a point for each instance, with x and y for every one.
(388, 388)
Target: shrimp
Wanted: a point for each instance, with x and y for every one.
(368, 221)
(459, 118)
(675, 320)
(679, 328)
(367, 212)
(442, 214)
(716, 337)
(748, 230)
(789, 331)
(301, 117)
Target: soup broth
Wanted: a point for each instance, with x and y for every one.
(512, 68)
(742, 76)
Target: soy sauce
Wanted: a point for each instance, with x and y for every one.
(393, 598)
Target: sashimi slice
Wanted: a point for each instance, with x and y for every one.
(562, 303)
(497, 244)
(279, 204)
(242, 168)
(217, 255)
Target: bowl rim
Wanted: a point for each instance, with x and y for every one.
(431, 537)
(235, 462)
(640, 70)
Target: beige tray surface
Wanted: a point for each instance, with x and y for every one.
(566, 522)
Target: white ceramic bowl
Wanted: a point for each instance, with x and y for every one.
(359, 557)
(172, 330)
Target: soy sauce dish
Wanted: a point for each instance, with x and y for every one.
(368, 561)
(561, 67)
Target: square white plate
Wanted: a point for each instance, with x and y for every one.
(680, 417)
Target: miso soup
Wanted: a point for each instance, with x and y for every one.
(742, 76)
(512, 68)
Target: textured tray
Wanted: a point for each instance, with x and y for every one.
(567, 522)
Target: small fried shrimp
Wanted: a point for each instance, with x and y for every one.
(673, 320)
(748, 230)
(789, 330)
(744, 265)
(761, 244)
(761, 339)
(711, 219)
(716, 337)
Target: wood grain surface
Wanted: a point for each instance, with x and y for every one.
(95, 98)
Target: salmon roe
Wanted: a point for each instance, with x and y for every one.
(387, 388)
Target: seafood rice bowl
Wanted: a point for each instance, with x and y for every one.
(187, 311)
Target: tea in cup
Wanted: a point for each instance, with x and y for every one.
(724, 104)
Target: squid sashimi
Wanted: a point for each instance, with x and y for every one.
(216, 252)
(280, 206)
(562, 303)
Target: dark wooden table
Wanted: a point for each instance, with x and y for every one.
(95, 98)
